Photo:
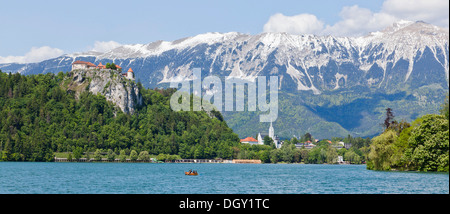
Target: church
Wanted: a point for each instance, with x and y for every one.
(275, 138)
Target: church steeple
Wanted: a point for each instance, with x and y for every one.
(271, 131)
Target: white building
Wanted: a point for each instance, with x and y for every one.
(276, 139)
(83, 65)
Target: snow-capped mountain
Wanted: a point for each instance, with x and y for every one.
(352, 79)
(416, 53)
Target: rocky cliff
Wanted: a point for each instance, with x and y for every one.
(122, 92)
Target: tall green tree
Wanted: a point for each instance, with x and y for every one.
(428, 145)
(381, 150)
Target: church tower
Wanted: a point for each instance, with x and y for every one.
(271, 131)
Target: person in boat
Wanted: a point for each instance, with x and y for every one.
(190, 171)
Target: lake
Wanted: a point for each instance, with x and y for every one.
(169, 178)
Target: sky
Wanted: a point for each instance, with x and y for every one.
(32, 31)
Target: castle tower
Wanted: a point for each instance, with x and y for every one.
(130, 74)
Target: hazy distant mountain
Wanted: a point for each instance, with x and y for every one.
(406, 63)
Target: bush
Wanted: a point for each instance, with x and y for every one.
(122, 156)
(133, 155)
(111, 155)
(98, 155)
(77, 153)
(144, 156)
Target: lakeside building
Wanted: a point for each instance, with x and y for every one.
(88, 65)
(250, 140)
(308, 145)
(260, 141)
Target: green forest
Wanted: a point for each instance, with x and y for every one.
(422, 145)
(40, 118)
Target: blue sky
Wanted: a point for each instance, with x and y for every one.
(31, 30)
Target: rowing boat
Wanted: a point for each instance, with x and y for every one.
(191, 173)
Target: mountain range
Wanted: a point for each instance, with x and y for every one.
(328, 86)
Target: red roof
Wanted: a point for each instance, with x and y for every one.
(100, 65)
(85, 63)
(249, 139)
(130, 70)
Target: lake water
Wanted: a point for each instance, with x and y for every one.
(145, 178)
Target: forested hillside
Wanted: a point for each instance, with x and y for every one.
(39, 117)
(422, 145)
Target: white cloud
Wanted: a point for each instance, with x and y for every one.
(105, 46)
(356, 21)
(36, 54)
(431, 11)
(39, 54)
(298, 24)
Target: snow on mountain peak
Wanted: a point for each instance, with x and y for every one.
(159, 47)
(301, 57)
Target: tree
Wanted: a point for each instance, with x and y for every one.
(122, 156)
(111, 155)
(274, 156)
(306, 137)
(389, 118)
(111, 66)
(381, 150)
(317, 155)
(331, 155)
(428, 144)
(144, 156)
(133, 155)
(264, 156)
(268, 140)
(352, 157)
(77, 153)
(98, 155)
(161, 157)
(399, 127)
(304, 155)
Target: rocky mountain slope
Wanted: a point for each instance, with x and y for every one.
(413, 53)
(122, 92)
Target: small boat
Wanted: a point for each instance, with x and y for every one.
(191, 173)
